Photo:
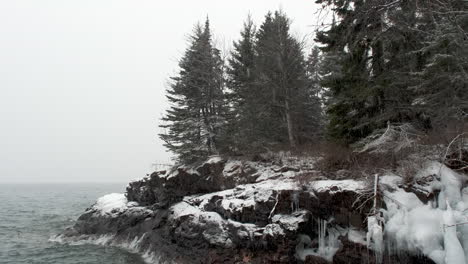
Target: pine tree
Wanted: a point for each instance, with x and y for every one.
(282, 83)
(346, 74)
(197, 113)
(314, 121)
(442, 83)
(393, 61)
(370, 56)
(270, 126)
(243, 96)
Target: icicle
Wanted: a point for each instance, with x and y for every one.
(295, 202)
(328, 245)
(322, 231)
(454, 253)
(375, 237)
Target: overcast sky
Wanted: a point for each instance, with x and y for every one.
(82, 82)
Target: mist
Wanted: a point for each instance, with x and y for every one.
(82, 82)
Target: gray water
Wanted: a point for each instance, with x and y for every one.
(30, 214)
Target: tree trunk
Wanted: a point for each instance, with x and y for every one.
(211, 133)
(292, 140)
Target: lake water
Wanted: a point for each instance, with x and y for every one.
(30, 214)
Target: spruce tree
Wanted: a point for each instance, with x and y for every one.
(351, 99)
(442, 84)
(197, 114)
(393, 61)
(314, 118)
(243, 94)
(281, 77)
(369, 57)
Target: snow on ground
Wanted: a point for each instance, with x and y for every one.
(390, 180)
(266, 173)
(183, 208)
(290, 222)
(409, 224)
(342, 185)
(141, 179)
(357, 236)
(247, 195)
(214, 226)
(214, 159)
(113, 204)
(175, 172)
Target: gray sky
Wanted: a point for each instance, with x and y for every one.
(82, 82)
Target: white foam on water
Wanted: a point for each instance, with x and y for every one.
(130, 245)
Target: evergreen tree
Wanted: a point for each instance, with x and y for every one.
(442, 84)
(314, 95)
(347, 84)
(393, 61)
(313, 69)
(374, 56)
(197, 114)
(243, 96)
(281, 77)
(270, 125)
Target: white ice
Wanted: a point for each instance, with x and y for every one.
(430, 229)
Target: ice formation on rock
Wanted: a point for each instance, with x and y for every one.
(431, 229)
(375, 237)
(328, 243)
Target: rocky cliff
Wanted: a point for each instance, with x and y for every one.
(264, 211)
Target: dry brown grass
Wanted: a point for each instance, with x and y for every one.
(336, 158)
(305, 178)
(336, 161)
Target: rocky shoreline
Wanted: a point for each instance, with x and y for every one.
(234, 211)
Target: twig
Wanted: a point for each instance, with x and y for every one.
(448, 149)
(274, 207)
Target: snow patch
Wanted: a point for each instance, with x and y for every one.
(112, 204)
(334, 185)
(183, 208)
(214, 159)
(390, 180)
(273, 230)
(357, 236)
(290, 222)
(213, 225)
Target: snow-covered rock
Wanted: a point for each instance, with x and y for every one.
(112, 204)
(233, 211)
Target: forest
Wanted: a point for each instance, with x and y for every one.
(373, 64)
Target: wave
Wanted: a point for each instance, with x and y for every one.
(111, 240)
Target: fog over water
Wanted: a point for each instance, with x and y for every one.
(82, 82)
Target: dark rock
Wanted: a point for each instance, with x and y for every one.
(316, 260)
(286, 169)
(162, 190)
(253, 223)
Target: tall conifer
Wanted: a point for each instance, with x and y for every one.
(197, 114)
(243, 91)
